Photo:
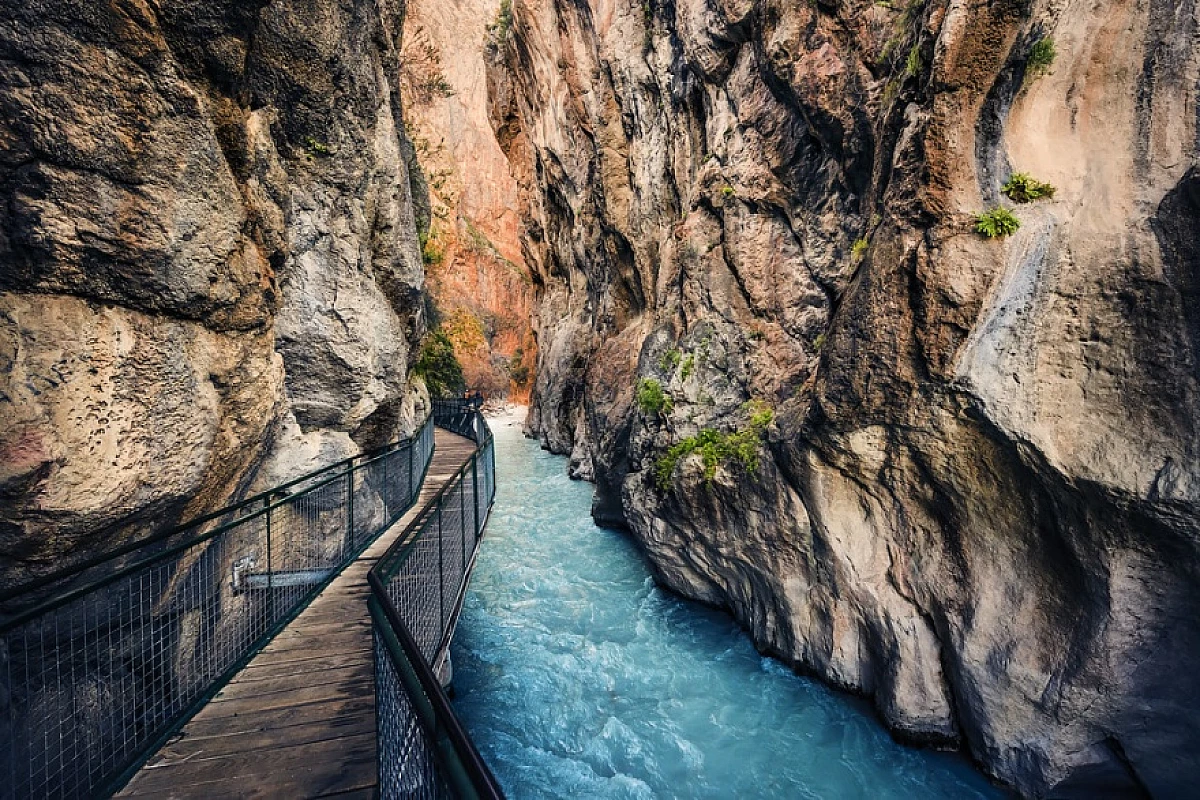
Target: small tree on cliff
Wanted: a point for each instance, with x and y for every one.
(439, 366)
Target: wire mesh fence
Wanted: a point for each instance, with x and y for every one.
(417, 590)
(102, 663)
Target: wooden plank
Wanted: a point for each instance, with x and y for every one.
(317, 662)
(209, 747)
(281, 718)
(305, 770)
(343, 677)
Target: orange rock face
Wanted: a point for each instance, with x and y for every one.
(473, 254)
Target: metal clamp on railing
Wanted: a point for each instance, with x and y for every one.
(417, 590)
(115, 653)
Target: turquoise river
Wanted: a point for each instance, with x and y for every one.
(578, 677)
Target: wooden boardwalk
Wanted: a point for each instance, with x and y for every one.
(299, 719)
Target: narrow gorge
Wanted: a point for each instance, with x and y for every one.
(875, 323)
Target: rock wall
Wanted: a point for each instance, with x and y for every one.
(209, 270)
(476, 272)
(978, 497)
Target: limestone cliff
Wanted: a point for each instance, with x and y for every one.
(472, 249)
(209, 270)
(977, 498)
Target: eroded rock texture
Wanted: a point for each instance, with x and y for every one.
(979, 502)
(209, 273)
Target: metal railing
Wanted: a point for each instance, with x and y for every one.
(417, 590)
(108, 658)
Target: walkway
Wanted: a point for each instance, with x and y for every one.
(299, 719)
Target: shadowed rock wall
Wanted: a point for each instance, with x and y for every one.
(209, 271)
(979, 498)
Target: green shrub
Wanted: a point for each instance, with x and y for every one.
(1022, 188)
(1041, 57)
(517, 370)
(859, 249)
(913, 64)
(996, 223)
(727, 191)
(498, 30)
(689, 366)
(317, 148)
(716, 448)
(431, 251)
(670, 360)
(651, 398)
(438, 365)
(819, 342)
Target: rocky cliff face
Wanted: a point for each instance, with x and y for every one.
(977, 496)
(209, 270)
(472, 250)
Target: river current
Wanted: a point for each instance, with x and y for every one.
(578, 677)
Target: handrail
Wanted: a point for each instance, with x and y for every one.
(98, 677)
(406, 685)
(138, 544)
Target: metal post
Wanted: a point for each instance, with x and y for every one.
(411, 452)
(463, 538)
(475, 491)
(387, 508)
(462, 505)
(441, 579)
(350, 508)
(270, 572)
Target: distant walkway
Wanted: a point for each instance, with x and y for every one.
(299, 719)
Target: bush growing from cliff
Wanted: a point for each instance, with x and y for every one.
(859, 249)
(996, 223)
(689, 366)
(651, 398)
(431, 251)
(517, 370)
(498, 30)
(670, 360)
(439, 367)
(1022, 188)
(913, 64)
(1041, 57)
(317, 148)
(716, 448)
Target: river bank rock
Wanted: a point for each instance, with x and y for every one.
(977, 500)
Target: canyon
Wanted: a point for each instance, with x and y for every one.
(735, 254)
(957, 474)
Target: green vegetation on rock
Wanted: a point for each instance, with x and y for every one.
(1022, 188)
(716, 448)
(431, 251)
(498, 30)
(670, 360)
(1041, 57)
(913, 64)
(651, 398)
(439, 367)
(996, 223)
